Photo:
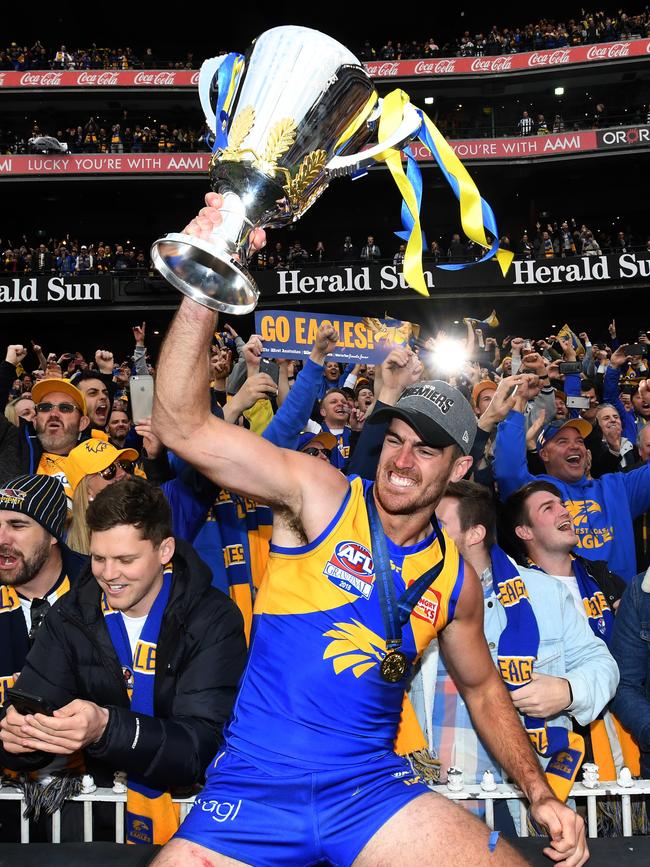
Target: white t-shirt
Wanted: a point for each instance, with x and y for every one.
(571, 584)
(134, 627)
(26, 605)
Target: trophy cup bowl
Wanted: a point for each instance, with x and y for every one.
(303, 111)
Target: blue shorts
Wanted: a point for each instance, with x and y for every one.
(263, 818)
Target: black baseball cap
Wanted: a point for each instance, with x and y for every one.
(437, 412)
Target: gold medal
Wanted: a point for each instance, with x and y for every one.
(394, 666)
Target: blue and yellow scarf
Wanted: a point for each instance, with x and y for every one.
(517, 654)
(151, 815)
(601, 620)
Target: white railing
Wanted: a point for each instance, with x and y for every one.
(502, 791)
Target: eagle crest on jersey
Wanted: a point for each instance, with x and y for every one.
(354, 646)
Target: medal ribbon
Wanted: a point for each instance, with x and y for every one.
(516, 657)
(396, 612)
(151, 815)
(227, 81)
(475, 213)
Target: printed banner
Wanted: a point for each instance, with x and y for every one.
(334, 286)
(319, 284)
(518, 147)
(103, 164)
(289, 334)
(64, 78)
(504, 63)
(468, 150)
(22, 290)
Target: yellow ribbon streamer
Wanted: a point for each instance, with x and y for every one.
(391, 118)
(471, 211)
(358, 122)
(234, 78)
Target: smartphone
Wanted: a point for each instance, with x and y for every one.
(635, 348)
(569, 367)
(577, 402)
(141, 392)
(528, 345)
(25, 702)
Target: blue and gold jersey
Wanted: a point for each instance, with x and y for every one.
(312, 695)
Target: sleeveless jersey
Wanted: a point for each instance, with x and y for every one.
(312, 695)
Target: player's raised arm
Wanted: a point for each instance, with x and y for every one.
(228, 454)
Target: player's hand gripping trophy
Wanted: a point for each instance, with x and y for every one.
(298, 110)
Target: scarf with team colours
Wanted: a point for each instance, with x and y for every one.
(601, 620)
(151, 815)
(517, 654)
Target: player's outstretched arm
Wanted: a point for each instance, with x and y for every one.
(227, 454)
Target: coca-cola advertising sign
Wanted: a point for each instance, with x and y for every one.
(150, 78)
(550, 58)
(385, 69)
(506, 63)
(500, 65)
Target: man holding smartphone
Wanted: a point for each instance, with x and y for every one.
(140, 661)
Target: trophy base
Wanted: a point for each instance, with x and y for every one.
(205, 273)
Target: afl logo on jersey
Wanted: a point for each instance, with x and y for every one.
(351, 568)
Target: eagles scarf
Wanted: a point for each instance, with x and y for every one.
(230, 519)
(151, 815)
(14, 638)
(601, 620)
(341, 452)
(517, 653)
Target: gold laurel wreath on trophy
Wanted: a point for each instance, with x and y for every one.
(281, 137)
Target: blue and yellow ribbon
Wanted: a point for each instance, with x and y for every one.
(227, 81)
(475, 213)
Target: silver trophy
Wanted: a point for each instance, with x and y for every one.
(302, 111)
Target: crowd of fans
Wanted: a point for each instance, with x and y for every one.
(70, 256)
(38, 56)
(550, 239)
(101, 136)
(588, 28)
(149, 135)
(563, 415)
(545, 33)
(487, 121)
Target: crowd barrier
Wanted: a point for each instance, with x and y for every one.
(503, 791)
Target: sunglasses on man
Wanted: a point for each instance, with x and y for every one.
(314, 452)
(65, 408)
(110, 472)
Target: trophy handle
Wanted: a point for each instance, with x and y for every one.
(348, 165)
(207, 89)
